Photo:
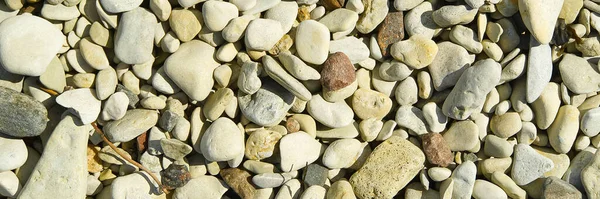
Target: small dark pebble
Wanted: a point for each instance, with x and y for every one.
(175, 176)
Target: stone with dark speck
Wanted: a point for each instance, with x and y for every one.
(21, 115)
(391, 31)
(167, 121)
(315, 175)
(175, 176)
(240, 181)
(338, 72)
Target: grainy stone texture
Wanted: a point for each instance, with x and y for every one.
(391, 31)
(21, 115)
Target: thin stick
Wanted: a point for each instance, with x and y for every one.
(114, 148)
(49, 91)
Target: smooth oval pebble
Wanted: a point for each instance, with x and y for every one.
(222, 141)
(333, 115)
(312, 41)
(342, 153)
(134, 123)
(13, 152)
(21, 115)
(370, 104)
(134, 39)
(298, 150)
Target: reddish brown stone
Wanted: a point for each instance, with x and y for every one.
(338, 72)
(436, 150)
(390, 32)
(333, 4)
(292, 125)
(142, 142)
(240, 181)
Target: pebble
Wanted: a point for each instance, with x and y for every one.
(9, 184)
(270, 180)
(115, 6)
(492, 50)
(59, 12)
(70, 178)
(589, 126)
(589, 176)
(338, 72)
(497, 147)
(465, 97)
(339, 20)
(217, 14)
(533, 14)
(277, 73)
(263, 34)
(464, 180)
(538, 69)
(297, 68)
(261, 144)
(106, 83)
(407, 92)
(506, 125)
(333, 115)
(236, 28)
(185, 23)
(375, 12)
(39, 38)
(314, 191)
(389, 168)
(370, 104)
(83, 102)
(298, 150)
(136, 184)
(203, 186)
(14, 152)
(578, 75)
(546, 107)
(115, 106)
(174, 148)
(556, 188)
(508, 185)
(528, 165)
(462, 136)
(563, 131)
(134, 38)
(411, 117)
(485, 189)
(285, 13)
(315, 175)
(222, 141)
(340, 189)
(514, 69)
(453, 14)
(240, 181)
(342, 153)
(391, 31)
(134, 123)
(435, 118)
(393, 71)
(436, 150)
(439, 174)
(352, 47)
(466, 38)
(419, 21)
(190, 72)
(448, 65)
(416, 52)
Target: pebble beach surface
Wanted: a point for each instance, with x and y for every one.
(299, 99)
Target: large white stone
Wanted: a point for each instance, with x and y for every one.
(83, 102)
(539, 16)
(298, 150)
(312, 41)
(134, 39)
(222, 141)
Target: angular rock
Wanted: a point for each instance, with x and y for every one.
(528, 165)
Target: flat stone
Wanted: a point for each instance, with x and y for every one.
(222, 141)
(38, 38)
(436, 150)
(417, 52)
(14, 152)
(263, 34)
(191, 68)
(297, 68)
(277, 73)
(217, 14)
(563, 131)
(506, 125)
(83, 102)
(284, 12)
(271, 180)
(578, 75)
(419, 21)
(485, 189)
(448, 65)
(315, 175)
(411, 117)
(450, 15)
(389, 168)
(370, 104)
(248, 81)
(59, 12)
(312, 41)
(333, 115)
(375, 12)
(134, 123)
(339, 20)
(471, 89)
(134, 38)
(540, 17)
(68, 143)
(236, 28)
(175, 149)
(497, 147)
(356, 50)
(507, 184)
(539, 69)
(116, 6)
(21, 115)
(298, 150)
(462, 136)
(464, 180)
(528, 165)
(93, 54)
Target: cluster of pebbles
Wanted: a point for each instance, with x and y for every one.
(309, 99)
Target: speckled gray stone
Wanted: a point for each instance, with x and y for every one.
(21, 115)
(268, 105)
